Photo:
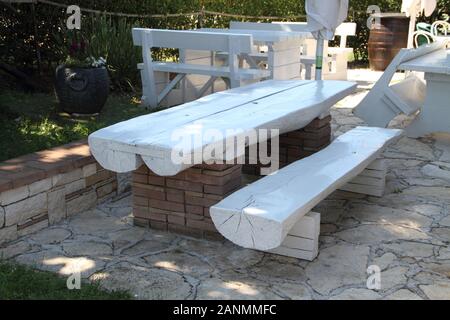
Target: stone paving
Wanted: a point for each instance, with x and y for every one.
(406, 233)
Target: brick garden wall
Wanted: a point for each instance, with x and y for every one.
(43, 188)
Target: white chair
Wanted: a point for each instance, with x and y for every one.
(430, 38)
(155, 89)
(384, 102)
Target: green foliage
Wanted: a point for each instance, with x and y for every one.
(32, 122)
(24, 283)
(112, 35)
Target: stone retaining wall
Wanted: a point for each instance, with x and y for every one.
(43, 188)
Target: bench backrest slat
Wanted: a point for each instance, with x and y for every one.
(276, 26)
(194, 40)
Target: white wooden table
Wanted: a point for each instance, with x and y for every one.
(149, 139)
(435, 114)
(284, 49)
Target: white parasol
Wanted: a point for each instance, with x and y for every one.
(323, 19)
(413, 8)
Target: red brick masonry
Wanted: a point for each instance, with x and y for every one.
(298, 144)
(181, 203)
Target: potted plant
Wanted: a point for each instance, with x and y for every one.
(81, 81)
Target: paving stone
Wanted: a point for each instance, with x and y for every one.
(411, 148)
(403, 294)
(271, 269)
(337, 266)
(233, 288)
(357, 294)
(374, 234)
(445, 222)
(443, 269)
(384, 261)
(437, 291)
(51, 236)
(180, 262)
(393, 277)
(437, 170)
(145, 247)
(436, 193)
(426, 209)
(292, 291)
(126, 237)
(144, 283)
(411, 249)
(442, 233)
(444, 253)
(93, 222)
(81, 247)
(379, 214)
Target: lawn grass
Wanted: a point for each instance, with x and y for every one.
(33, 122)
(19, 282)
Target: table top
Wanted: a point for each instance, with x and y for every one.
(434, 62)
(265, 35)
(153, 139)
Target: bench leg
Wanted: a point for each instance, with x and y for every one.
(180, 204)
(371, 181)
(302, 242)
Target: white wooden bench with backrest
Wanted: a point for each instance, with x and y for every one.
(233, 44)
(274, 213)
(384, 101)
(336, 58)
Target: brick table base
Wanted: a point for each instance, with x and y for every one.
(298, 144)
(180, 204)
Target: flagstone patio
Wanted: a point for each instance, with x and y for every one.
(406, 233)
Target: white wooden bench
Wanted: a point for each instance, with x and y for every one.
(269, 214)
(336, 57)
(384, 101)
(285, 105)
(234, 44)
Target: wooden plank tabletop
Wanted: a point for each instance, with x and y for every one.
(265, 36)
(283, 105)
(434, 62)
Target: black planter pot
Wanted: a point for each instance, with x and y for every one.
(81, 90)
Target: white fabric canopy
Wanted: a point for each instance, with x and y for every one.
(325, 16)
(414, 7)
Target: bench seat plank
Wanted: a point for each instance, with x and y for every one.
(260, 215)
(206, 70)
(287, 105)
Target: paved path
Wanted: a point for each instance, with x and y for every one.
(406, 234)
